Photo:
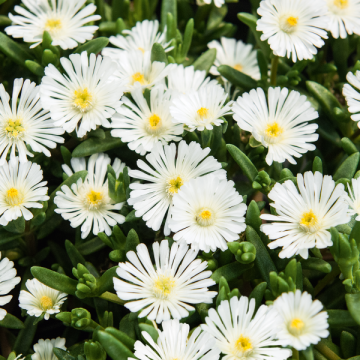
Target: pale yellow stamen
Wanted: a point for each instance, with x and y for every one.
(154, 121)
(203, 112)
(238, 67)
(205, 217)
(13, 197)
(292, 21)
(94, 198)
(341, 4)
(46, 302)
(243, 344)
(53, 24)
(175, 185)
(296, 326)
(206, 214)
(273, 130)
(138, 77)
(309, 219)
(14, 128)
(288, 24)
(82, 99)
(163, 286)
(141, 49)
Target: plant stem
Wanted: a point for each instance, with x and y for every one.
(30, 239)
(295, 354)
(327, 352)
(112, 298)
(326, 280)
(274, 68)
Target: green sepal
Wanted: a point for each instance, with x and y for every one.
(348, 146)
(205, 60)
(317, 165)
(35, 67)
(158, 54)
(120, 335)
(258, 294)
(49, 57)
(93, 46)
(113, 347)
(150, 330)
(237, 78)
(132, 241)
(230, 271)
(316, 264)
(16, 226)
(63, 354)
(348, 168)
(353, 305)
(94, 351)
(347, 344)
(308, 353)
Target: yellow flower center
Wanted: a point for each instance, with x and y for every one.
(53, 25)
(82, 100)
(238, 67)
(94, 198)
(243, 344)
(341, 4)
(296, 326)
(288, 23)
(205, 217)
(138, 77)
(141, 49)
(292, 21)
(13, 197)
(14, 128)
(154, 121)
(203, 112)
(46, 302)
(309, 220)
(273, 130)
(175, 185)
(163, 286)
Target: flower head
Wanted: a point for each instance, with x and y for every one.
(236, 54)
(141, 125)
(279, 123)
(20, 189)
(44, 349)
(241, 335)
(141, 37)
(41, 299)
(305, 216)
(301, 322)
(207, 212)
(8, 280)
(87, 202)
(170, 168)
(166, 290)
(293, 27)
(25, 123)
(61, 18)
(354, 198)
(174, 343)
(344, 17)
(85, 97)
(202, 109)
(352, 95)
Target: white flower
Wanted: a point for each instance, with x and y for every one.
(85, 97)
(217, 3)
(44, 348)
(354, 198)
(344, 17)
(166, 290)
(185, 80)
(41, 299)
(293, 27)
(202, 109)
(236, 54)
(142, 126)
(61, 18)
(88, 202)
(136, 69)
(25, 123)
(301, 322)
(173, 343)
(352, 95)
(170, 167)
(240, 335)
(141, 37)
(20, 189)
(304, 217)
(279, 123)
(8, 280)
(206, 213)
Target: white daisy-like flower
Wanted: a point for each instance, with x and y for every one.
(344, 17)
(41, 299)
(186, 80)
(279, 123)
(302, 322)
(83, 98)
(141, 37)
(136, 69)
(217, 3)
(43, 350)
(351, 92)
(293, 27)
(170, 167)
(207, 213)
(25, 122)
(202, 109)
(141, 125)
(167, 290)
(354, 198)
(241, 335)
(305, 216)
(174, 342)
(236, 54)
(61, 18)
(87, 203)
(8, 280)
(21, 188)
